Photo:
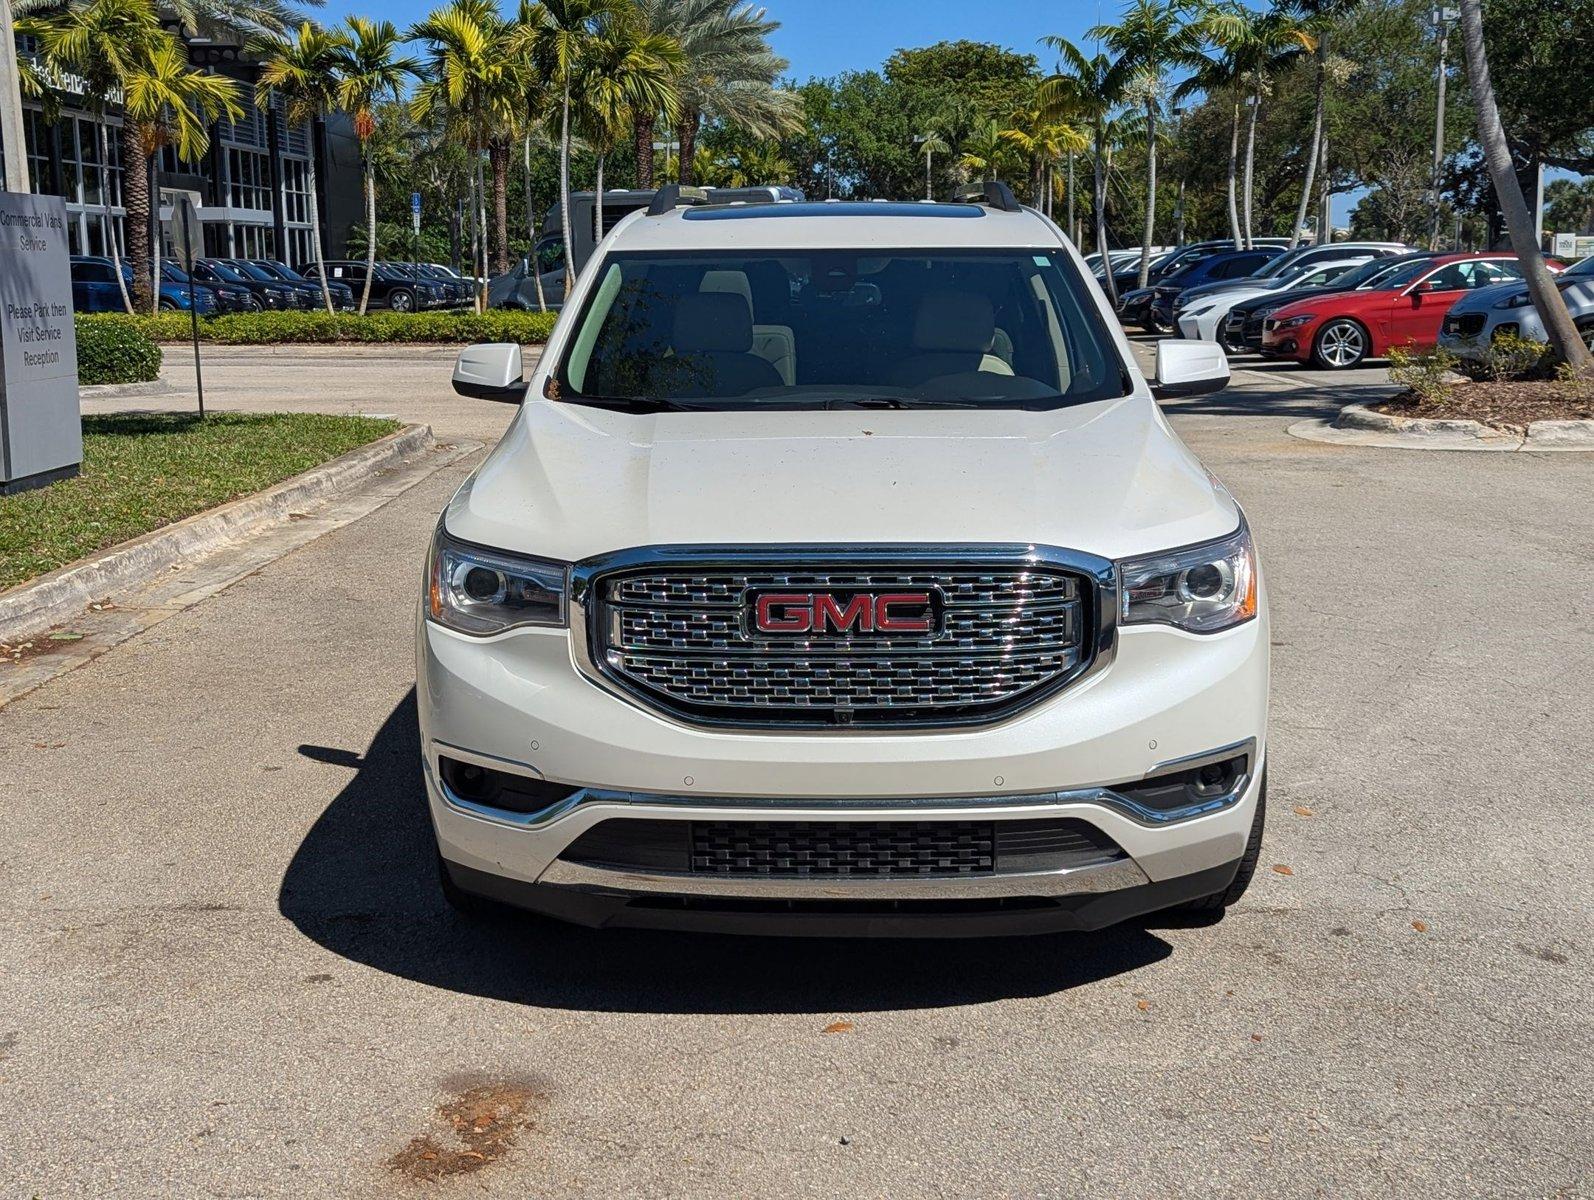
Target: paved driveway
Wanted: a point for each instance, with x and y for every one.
(228, 971)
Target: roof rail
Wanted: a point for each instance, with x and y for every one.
(993, 192)
(674, 195)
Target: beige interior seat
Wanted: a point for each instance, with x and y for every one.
(775, 344)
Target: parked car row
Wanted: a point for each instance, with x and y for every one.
(229, 285)
(1337, 305)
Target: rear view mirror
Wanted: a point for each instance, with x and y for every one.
(490, 371)
(1187, 368)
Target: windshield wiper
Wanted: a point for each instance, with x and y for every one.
(896, 402)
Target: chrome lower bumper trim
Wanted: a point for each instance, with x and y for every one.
(1099, 877)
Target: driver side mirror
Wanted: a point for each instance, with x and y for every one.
(1186, 368)
(491, 371)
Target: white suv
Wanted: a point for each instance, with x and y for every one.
(839, 574)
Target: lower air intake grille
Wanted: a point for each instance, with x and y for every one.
(875, 849)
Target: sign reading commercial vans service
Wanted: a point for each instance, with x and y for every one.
(41, 433)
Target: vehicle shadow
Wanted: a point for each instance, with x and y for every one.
(364, 885)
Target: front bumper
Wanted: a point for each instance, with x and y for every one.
(518, 703)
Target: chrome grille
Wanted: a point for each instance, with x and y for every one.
(682, 638)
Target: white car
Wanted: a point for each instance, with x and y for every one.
(840, 574)
(1205, 318)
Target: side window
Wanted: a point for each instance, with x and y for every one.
(1486, 273)
(1237, 268)
(1453, 278)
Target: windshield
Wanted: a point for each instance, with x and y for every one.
(223, 271)
(1400, 274)
(895, 328)
(1586, 267)
(254, 272)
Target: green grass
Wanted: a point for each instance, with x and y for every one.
(142, 471)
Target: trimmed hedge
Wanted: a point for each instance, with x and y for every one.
(314, 327)
(115, 348)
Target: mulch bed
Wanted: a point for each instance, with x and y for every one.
(1510, 405)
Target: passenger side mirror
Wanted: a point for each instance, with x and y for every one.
(491, 371)
(1186, 368)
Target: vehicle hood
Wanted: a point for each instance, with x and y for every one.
(1291, 295)
(1189, 295)
(1228, 296)
(1110, 478)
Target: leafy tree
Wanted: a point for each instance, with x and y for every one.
(930, 143)
(1547, 299)
(1569, 205)
(991, 80)
(1151, 39)
(302, 70)
(369, 71)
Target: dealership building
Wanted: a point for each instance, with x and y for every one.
(253, 183)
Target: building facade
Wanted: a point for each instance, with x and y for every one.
(253, 183)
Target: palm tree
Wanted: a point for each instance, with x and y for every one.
(985, 150)
(1256, 47)
(1044, 142)
(474, 82)
(1318, 18)
(102, 42)
(1151, 38)
(302, 72)
(1089, 88)
(931, 143)
(559, 35)
(368, 73)
(1568, 346)
(626, 68)
(727, 73)
(165, 102)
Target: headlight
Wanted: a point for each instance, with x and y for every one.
(482, 592)
(1196, 309)
(1293, 322)
(1201, 589)
(1518, 301)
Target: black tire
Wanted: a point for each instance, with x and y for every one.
(168, 306)
(1340, 345)
(1150, 323)
(255, 304)
(1219, 901)
(1585, 329)
(402, 301)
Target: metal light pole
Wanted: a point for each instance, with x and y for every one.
(11, 135)
(1441, 19)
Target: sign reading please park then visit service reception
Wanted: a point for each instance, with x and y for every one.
(41, 432)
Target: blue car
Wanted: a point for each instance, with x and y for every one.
(94, 289)
(1230, 264)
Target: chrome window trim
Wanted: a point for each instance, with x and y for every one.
(1100, 642)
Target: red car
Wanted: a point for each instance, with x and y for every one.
(1342, 329)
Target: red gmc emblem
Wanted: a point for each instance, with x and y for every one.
(844, 612)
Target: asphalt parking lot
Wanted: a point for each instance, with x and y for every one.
(229, 971)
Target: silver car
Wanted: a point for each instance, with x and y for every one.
(1475, 320)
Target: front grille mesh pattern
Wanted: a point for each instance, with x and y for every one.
(851, 849)
(682, 638)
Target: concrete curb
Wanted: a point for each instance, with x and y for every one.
(1358, 425)
(116, 391)
(31, 608)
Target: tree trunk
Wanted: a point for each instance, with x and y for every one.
(1250, 161)
(1101, 216)
(110, 221)
(1150, 227)
(531, 236)
(597, 204)
(1073, 228)
(1325, 233)
(1547, 298)
(498, 157)
(1234, 167)
(643, 126)
(689, 122)
(1317, 142)
(927, 187)
(315, 229)
(135, 200)
(564, 193)
(480, 268)
(370, 234)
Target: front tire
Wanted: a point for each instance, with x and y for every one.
(401, 301)
(255, 304)
(1585, 330)
(1230, 895)
(468, 904)
(1340, 345)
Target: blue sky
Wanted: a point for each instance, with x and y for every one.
(825, 37)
